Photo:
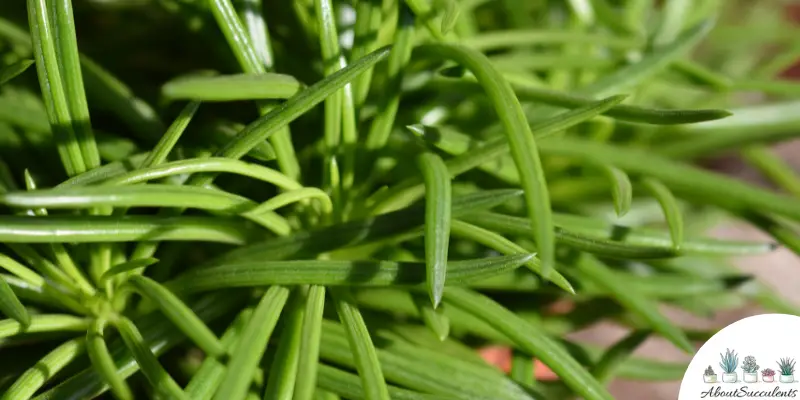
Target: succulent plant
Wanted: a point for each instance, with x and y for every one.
(749, 365)
(247, 199)
(709, 371)
(729, 361)
(786, 366)
(768, 372)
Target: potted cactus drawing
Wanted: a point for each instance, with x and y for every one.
(728, 363)
(709, 376)
(750, 369)
(768, 375)
(786, 366)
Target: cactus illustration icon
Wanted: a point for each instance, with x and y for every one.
(709, 376)
(728, 363)
(786, 366)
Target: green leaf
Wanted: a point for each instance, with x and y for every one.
(158, 377)
(44, 39)
(622, 192)
(491, 149)
(437, 222)
(235, 87)
(529, 339)
(336, 273)
(596, 229)
(209, 164)
(399, 57)
(283, 372)
(669, 205)
(11, 306)
(358, 337)
(416, 367)
(155, 195)
(157, 331)
(44, 323)
(311, 243)
(252, 344)
(450, 15)
(348, 385)
(604, 369)
(103, 363)
(649, 65)
(128, 266)
(434, 319)
(10, 72)
(91, 229)
(208, 377)
(307, 364)
(45, 369)
(499, 243)
(520, 139)
(641, 306)
(180, 314)
(716, 189)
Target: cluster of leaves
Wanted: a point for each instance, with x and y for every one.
(729, 361)
(271, 242)
(749, 365)
(786, 366)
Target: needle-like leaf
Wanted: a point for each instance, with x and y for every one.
(437, 222)
(337, 273)
(366, 360)
(10, 72)
(232, 87)
(161, 380)
(45, 369)
(11, 306)
(103, 363)
(669, 205)
(309, 343)
(252, 344)
(180, 314)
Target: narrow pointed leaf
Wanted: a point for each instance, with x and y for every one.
(366, 360)
(346, 384)
(309, 343)
(45, 369)
(638, 304)
(530, 339)
(152, 370)
(11, 306)
(234, 87)
(44, 323)
(670, 207)
(621, 190)
(605, 368)
(103, 363)
(434, 319)
(437, 222)
(128, 266)
(337, 273)
(210, 374)
(499, 243)
(179, 313)
(10, 72)
(252, 344)
(283, 372)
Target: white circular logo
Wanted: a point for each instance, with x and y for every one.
(755, 357)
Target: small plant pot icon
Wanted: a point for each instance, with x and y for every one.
(786, 378)
(730, 378)
(750, 377)
(710, 378)
(768, 378)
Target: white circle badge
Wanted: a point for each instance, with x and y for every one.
(755, 357)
